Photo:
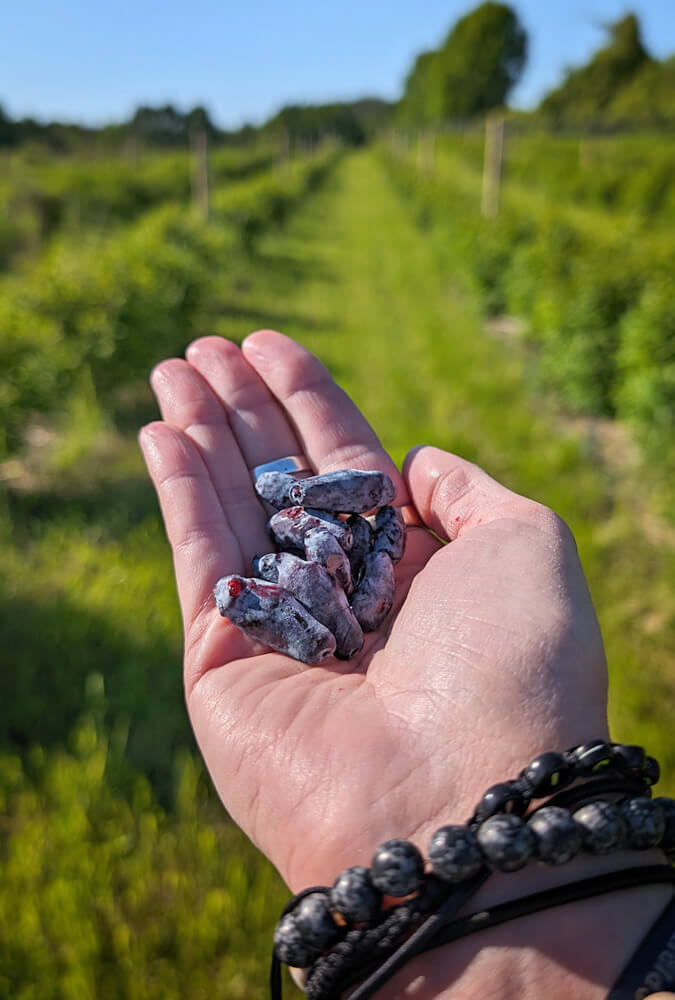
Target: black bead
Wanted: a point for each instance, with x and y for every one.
(602, 826)
(651, 770)
(668, 839)
(590, 758)
(290, 945)
(558, 838)
(506, 842)
(314, 921)
(628, 757)
(354, 896)
(547, 773)
(645, 823)
(397, 868)
(506, 797)
(454, 854)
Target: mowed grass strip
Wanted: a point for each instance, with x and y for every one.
(407, 341)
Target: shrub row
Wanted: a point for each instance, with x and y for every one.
(39, 200)
(627, 174)
(105, 309)
(597, 294)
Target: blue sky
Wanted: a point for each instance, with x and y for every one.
(95, 62)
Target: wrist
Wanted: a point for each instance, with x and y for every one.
(574, 950)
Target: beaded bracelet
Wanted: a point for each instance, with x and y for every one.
(338, 931)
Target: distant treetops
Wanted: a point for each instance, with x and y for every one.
(483, 55)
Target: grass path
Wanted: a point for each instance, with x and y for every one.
(376, 304)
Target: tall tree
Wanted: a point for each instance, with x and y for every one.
(586, 92)
(473, 71)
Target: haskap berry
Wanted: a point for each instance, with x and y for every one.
(390, 533)
(348, 490)
(291, 525)
(323, 548)
(315, 588)
(319, 605)
(374, 596)
(274, 488)
(362, 543)
(270, 614)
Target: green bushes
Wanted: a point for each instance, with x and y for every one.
(595, 290)
(39, 200)
(106, 308)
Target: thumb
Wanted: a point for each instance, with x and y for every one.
(452, 495)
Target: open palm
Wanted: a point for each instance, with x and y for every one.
(492, 652)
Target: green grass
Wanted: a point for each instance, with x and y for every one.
(129, 888)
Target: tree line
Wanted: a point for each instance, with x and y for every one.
(472, 72)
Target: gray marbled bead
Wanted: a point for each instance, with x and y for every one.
(290, 945)
(314, 920)
(454, 854)
(558, 838)
(506, 842)
(645, 823)
(397, 868)
(602, 827)
(668, 806)
(354, 896)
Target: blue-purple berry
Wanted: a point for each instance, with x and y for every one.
(506, 842)
(362, 543)
(354, 896)
(291, 526)
(558, 838)
(602, 826)
(397, 868)
(290, 945)
(347, 490)
(454, 854)
(322, 547)
(271, 615)
(374, 596)
(390, 533)
(645, 822)
(316, 589)
(274, 488)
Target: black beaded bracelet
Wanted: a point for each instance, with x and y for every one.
(337, 931)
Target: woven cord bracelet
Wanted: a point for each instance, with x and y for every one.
(607, 785)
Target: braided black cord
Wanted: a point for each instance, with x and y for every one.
(368, 947)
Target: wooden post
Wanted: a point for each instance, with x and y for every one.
(426, 143)
(492, 167)
(585, 153)
(200, 173)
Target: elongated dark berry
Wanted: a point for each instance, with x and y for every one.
(347, 490)
(268, 613)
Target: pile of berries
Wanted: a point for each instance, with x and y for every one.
(332, 576)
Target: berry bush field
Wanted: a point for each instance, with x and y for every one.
(540, 344)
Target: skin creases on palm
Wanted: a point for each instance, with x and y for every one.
(491, 653)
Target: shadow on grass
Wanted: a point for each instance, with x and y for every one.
(52, 646)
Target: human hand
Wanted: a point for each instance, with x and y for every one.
(492, 652)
